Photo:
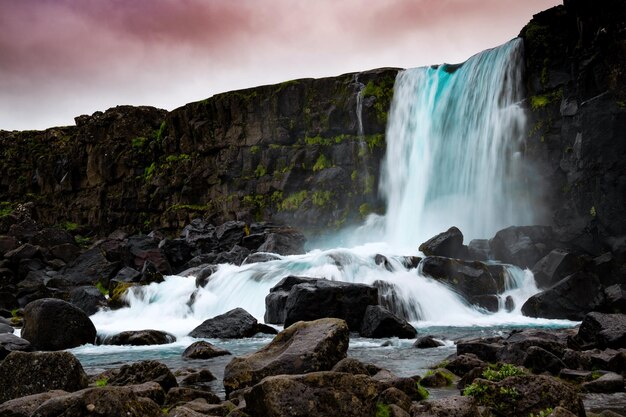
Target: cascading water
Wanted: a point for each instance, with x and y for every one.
(453, 142)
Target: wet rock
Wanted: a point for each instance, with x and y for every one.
(469, 278)
(230, 234)
(178, 396)
(259, 257)
(26, 251)
(5, 328)
(203, 350)
(555, 266)
(127, 274)
(144, 371)
(301, 348)
(204, 275)
(52, 324)
(284, 241)
(448, 244)
(486, 349)
(50, 237)
(479, 250)
(601, 331)
(12, 343)
(234, 324)
(378, 322)
(427, 342)
(89, 268)
(198, 379)
(24, 374)
(67, 252)
(615, 299)
(462, 364)
(26, 406)
(382, 260)
(7, 244)
(540, 360)
(437, 378)
(490, 303)
(571, 298)
(522, 245)
(276, 300)
(607, 383)
(351, 366)
(314, 394)
(200, 236)
(101, 401)
(176, 251)
(323, 298)
(575, 375)
(88, 298)
(150, 273)
(456, 406)
(139, 338)
(517, 345)
(393, 396)
(235, 256)
(389, 298)
(146, 249)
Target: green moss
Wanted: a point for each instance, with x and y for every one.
(321, 198)
(294, 201)
(138, 142)
(14, 312)
(255, 149)
(383, 410)
(321, 163)
(541, 101)
(260, 171)
(102, 382)
(6, 209)
(69, 226)
(382, 91)
(375, 141)
(364, 210)
(83, 241)
(158, 135)
(277, 198)
(149, 171)
(101, 288)
(188, 207)
(354, 176)
(422, 392)
(370, 180)
(500, 371)
(592, 211)
(177, 159)
(543, 413)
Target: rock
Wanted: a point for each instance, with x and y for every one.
(235, 256)
(101, 401)
(50, 237)
(487, 349)
(285, 241)
(427, 342)
(198, 379)
(469, 278)
(176, 251)
(144, 371)
(139, 338)
(540, 360)
(88, 298)
(276, 300)
(555, 266)
(5, 328)
(393, 396)
(204, 275)
(615, 299)
(350, 366)
(230, 234)
(462, 364)
(437, 378)
(314, 394)
(146, 249)
(179, 396)
(7, 244)
(259, 257)
(67, 252)
(200, 236)
(11, 343)
(233, 324)
(183, 411)
(455, 406)
(323, 298)
(479, 250)
(575, 375)
(24, 374)
(51, 324)
(522, 245)
(26, 251)
(203, 350)
(607, 383)
(151, 390)
(378, 322)
(517, 346)
(571, 298)
(601, 331)
(389, 298)
(89, 268)
(301, 348)
(150, 273)
(126, 274)
(489, 303)
(26, 406)
(404, 384)
(448, 244)
(200, 405)
(525, 394)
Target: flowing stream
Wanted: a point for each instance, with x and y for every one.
(453, 135)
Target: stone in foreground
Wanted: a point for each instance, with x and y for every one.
(379, 322)
(234, 324)
(301, 348)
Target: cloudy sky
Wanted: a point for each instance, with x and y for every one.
(63, 58)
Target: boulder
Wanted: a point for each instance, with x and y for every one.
(26, 251)
(379, 322)
(571, 298)
(462, 364)
(427, 342)
(525, 394)
(67, 252)
(276, 300)
(517, 346)
(522, 245)
(314, 394)
(448, 244)
(126, 274)
(615, 299)
(88, 298)
(89, 268)
(259, 257)
(301, 348)
(599, 330)
(351, 366)
(607, 383)
(179, 396)
(176, 251)
(144, 371)
(468, 278)
(23, 373)
(393, 396)
(479, 250)
(555, 266)
(150, 273)
(485, 349)
(230, 234)
(323, 298)
(437, 378)
(7, 243)
(540, 360)
(101, 402)
(50, 237)
(52, 324)
(146, 248)
(26, 406)
(234, 324)
(203, 350)
(200, 236)
(283, 241)
(11, 343)
(139, 338)
(455, 406)
(234, 256)
(389, 297)
(5, 328)
(198, 379)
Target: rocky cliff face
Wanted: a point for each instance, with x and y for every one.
(576, 82)
(291, 152)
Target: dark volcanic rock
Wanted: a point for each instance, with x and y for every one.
(89, 268)
(203, 350)
(182, 395)
(51, 324)
(139, 338)
(540, 360)
(609, 382)
(285, 241)
(323, 298)
(145, 371)
(469, 278)
(32, 373)
(571, 298)
(601, 331)
(555, 266)
(379, 322)
(522, 245)
(87, 298)
(50, 237)
(448, 244)
(301, 348)
(233, 324)
(11, 343)
(276, 300)
(427, 342)
(26, 406)
(456, 406)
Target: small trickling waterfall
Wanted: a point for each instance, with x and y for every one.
(453, 141)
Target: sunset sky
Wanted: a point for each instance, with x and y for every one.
(63, 58)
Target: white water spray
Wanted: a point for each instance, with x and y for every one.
(453, 143)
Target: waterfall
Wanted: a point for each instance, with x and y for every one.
(453, 141)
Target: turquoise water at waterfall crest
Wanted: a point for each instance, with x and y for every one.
(453, 141)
